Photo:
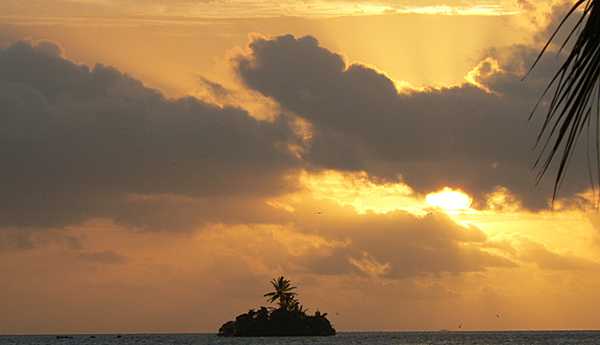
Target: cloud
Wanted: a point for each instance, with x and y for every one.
(340, 241)
(176, 212)
(214, 89)
(548, 260)
(460, 136)
(77, 142)
(252, 8)
(526, 5)
(15, 240)
(106, 257)
(399, 245)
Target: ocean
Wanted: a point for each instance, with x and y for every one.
(375, 338)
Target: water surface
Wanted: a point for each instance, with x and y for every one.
(416, 338)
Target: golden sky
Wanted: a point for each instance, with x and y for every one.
(257, 8)
(164, 160)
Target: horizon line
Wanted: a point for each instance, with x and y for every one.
(88, 333)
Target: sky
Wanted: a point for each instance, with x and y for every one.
(164, 160)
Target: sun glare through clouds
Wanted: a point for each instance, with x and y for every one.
(449, 200)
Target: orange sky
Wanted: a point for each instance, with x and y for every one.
(379, 157)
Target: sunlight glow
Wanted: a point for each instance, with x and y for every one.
(315, 8)
(361, 192)
(449, 200)
(494, 10)
(486, 68)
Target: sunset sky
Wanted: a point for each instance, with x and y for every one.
(162, 160)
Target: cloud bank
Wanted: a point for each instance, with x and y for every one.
(77, 143)
(475, 135)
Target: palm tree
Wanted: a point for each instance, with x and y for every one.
(296, 306)
(283, 292)
(576, 94)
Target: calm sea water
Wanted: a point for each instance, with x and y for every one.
(425, 338)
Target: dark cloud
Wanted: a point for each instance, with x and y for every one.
(458, 136)
(215, 89)
(76, 142)
(15, 239)
(553, 19)
(173, 212)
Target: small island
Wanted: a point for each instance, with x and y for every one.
(289, 319)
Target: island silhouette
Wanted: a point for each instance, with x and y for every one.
(290, 318)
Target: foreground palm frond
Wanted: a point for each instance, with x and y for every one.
(576, 87)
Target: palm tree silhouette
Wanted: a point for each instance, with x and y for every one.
(576, 95)
(296, 306)
(283, 292)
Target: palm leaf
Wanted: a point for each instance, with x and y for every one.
(283, 292)
(576, 86)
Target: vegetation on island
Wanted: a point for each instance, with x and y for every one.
(290, 318)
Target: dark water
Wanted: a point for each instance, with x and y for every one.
(426, 338)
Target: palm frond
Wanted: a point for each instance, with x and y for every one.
(576, 86)
(283, 292)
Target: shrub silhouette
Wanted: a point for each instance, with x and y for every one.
(289, 319)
